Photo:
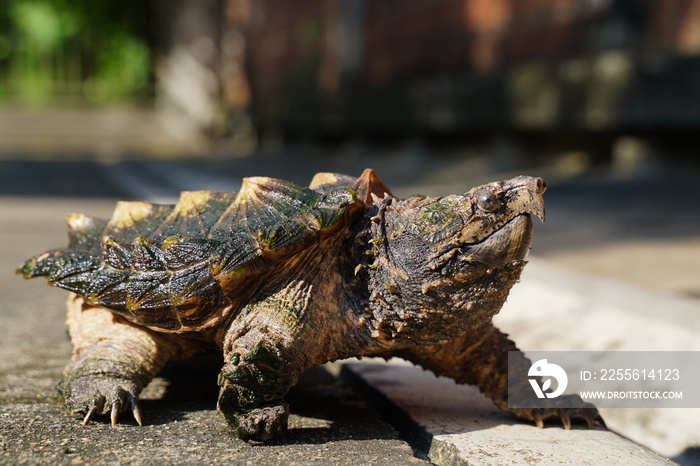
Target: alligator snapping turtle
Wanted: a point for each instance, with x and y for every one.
(282, 277)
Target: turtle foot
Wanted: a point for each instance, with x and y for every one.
(263, 424)
(98, 395)
(566, 409)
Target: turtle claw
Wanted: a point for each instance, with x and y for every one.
(567, 409)
(586, 412)
(591, 421)
(123, 402)
(117, 405)
(565, 415)
(136, 410)
(96, 406)
(88, 417)
(114, 414)
(566, 419)
(100, 395)
(537, 417)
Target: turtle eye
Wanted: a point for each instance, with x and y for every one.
(488, 202)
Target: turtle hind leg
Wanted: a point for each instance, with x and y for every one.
(113, 360)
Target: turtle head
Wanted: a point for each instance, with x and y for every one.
(450, 262)
(490, 225)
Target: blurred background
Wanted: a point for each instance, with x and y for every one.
(142, 99)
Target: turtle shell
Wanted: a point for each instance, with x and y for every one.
(186, 266)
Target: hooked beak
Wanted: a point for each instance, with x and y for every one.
(525, 195)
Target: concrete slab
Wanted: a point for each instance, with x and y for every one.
(456, 425)
(558, 309)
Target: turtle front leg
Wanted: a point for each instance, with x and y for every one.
(253, 383)
(113, 360)
(265, 350)
(480, 358)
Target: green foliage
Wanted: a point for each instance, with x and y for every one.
(42, 24)
(75, 49)
(122, 67)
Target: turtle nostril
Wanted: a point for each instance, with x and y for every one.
(541, 185)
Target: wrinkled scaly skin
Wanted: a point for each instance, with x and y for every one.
(362, 274)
